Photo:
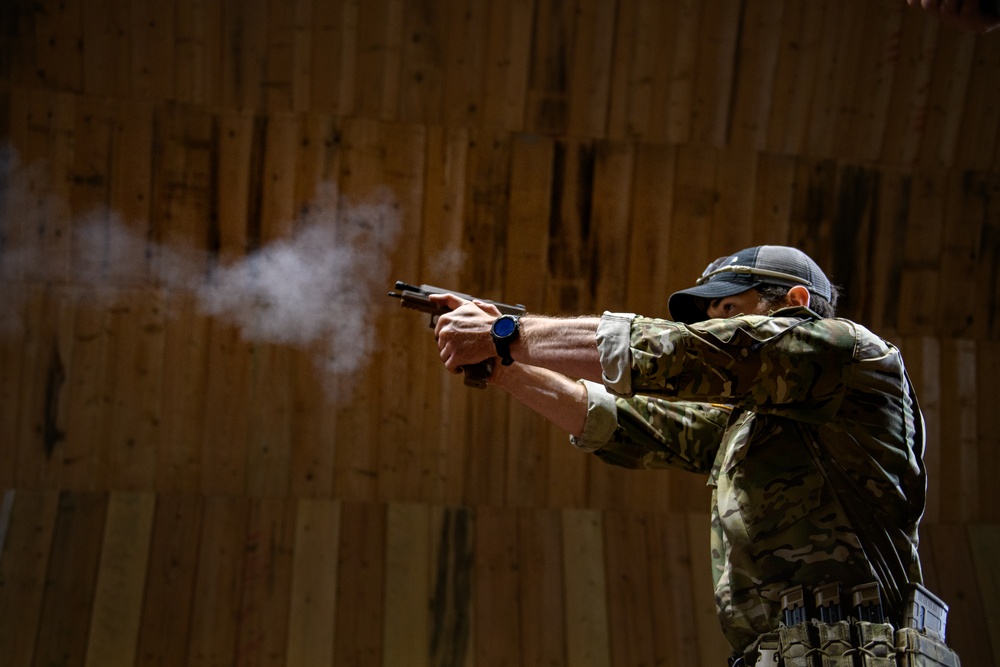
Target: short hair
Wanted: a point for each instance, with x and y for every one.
(775, 295)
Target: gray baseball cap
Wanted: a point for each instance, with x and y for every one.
(749, 268)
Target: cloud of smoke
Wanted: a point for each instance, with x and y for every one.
(317, 289)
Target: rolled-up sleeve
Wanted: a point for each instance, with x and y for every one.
(602, 418)
(613, 335)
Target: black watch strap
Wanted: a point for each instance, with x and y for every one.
(505, 330)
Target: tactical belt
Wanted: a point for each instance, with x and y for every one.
(821, 635)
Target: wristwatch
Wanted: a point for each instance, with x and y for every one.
(505, 331)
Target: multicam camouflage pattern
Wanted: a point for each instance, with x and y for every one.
(756, 403)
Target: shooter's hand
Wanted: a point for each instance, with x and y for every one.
(463, 335)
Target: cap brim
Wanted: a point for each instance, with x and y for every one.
(683, 305)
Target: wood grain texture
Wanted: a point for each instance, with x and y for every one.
(121, 580)
(572, 155)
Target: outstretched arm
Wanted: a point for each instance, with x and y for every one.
(559, 399)
(567, 346)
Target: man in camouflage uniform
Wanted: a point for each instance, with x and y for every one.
(806, 425)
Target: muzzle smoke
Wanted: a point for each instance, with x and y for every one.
(318, 289)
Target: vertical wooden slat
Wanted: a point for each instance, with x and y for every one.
(422, 62)
(287, 62)
(13, 346)
(6, 510)
(867, 66)
(51, 143)
(893, 201)
(356, 474)
(334, 39)
(400, 466)
(313, 427)
(959, 460)
(525, 282)
(442, 262)
(719, 31)
(465, 61)
(680, 101)
(23, 566)
(772, 210)
(243, 54)
(634, 67)
(269, 383)
(507, 62)
(953, 578)
(984, 543)
(236, 169)
(541, 587)
(377, 61)
(736, 184)
(498, 602)
(802, 28)
(225, 432)
(588, 640)
(921, 248)
(987, 430)
(360, 585)
(198, 60)
(214, 623)
(986, 314)
(266, 583)
(121, 581)
(653, 201)
(911, 85)
(45, 415)
(629, 591)
(452, 610)
(151, 50)
(406, 633)
(979, 135)
(675, 637)
(487, 205)
(85, 462)
(135, 373)
(693, 213)
(834, 42)
(184, 388)
(105, 48)
(270, 413)
(170, 594)
(712, 648)
(949, 82)
(847, 256)
(570, 227)
(313, 597)
(70, 582)
(58, 53)
(756, 62)
(590, 71)
(182, 192)
(965, 203)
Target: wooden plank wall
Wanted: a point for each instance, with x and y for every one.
(181, 488)
(133, 385)
(121, 578)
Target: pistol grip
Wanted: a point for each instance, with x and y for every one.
(476, 374)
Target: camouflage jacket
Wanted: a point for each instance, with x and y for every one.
(810, 435)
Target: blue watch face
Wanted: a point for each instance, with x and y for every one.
(504, 327)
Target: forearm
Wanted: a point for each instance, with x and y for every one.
(557, 398)
(566, 346)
